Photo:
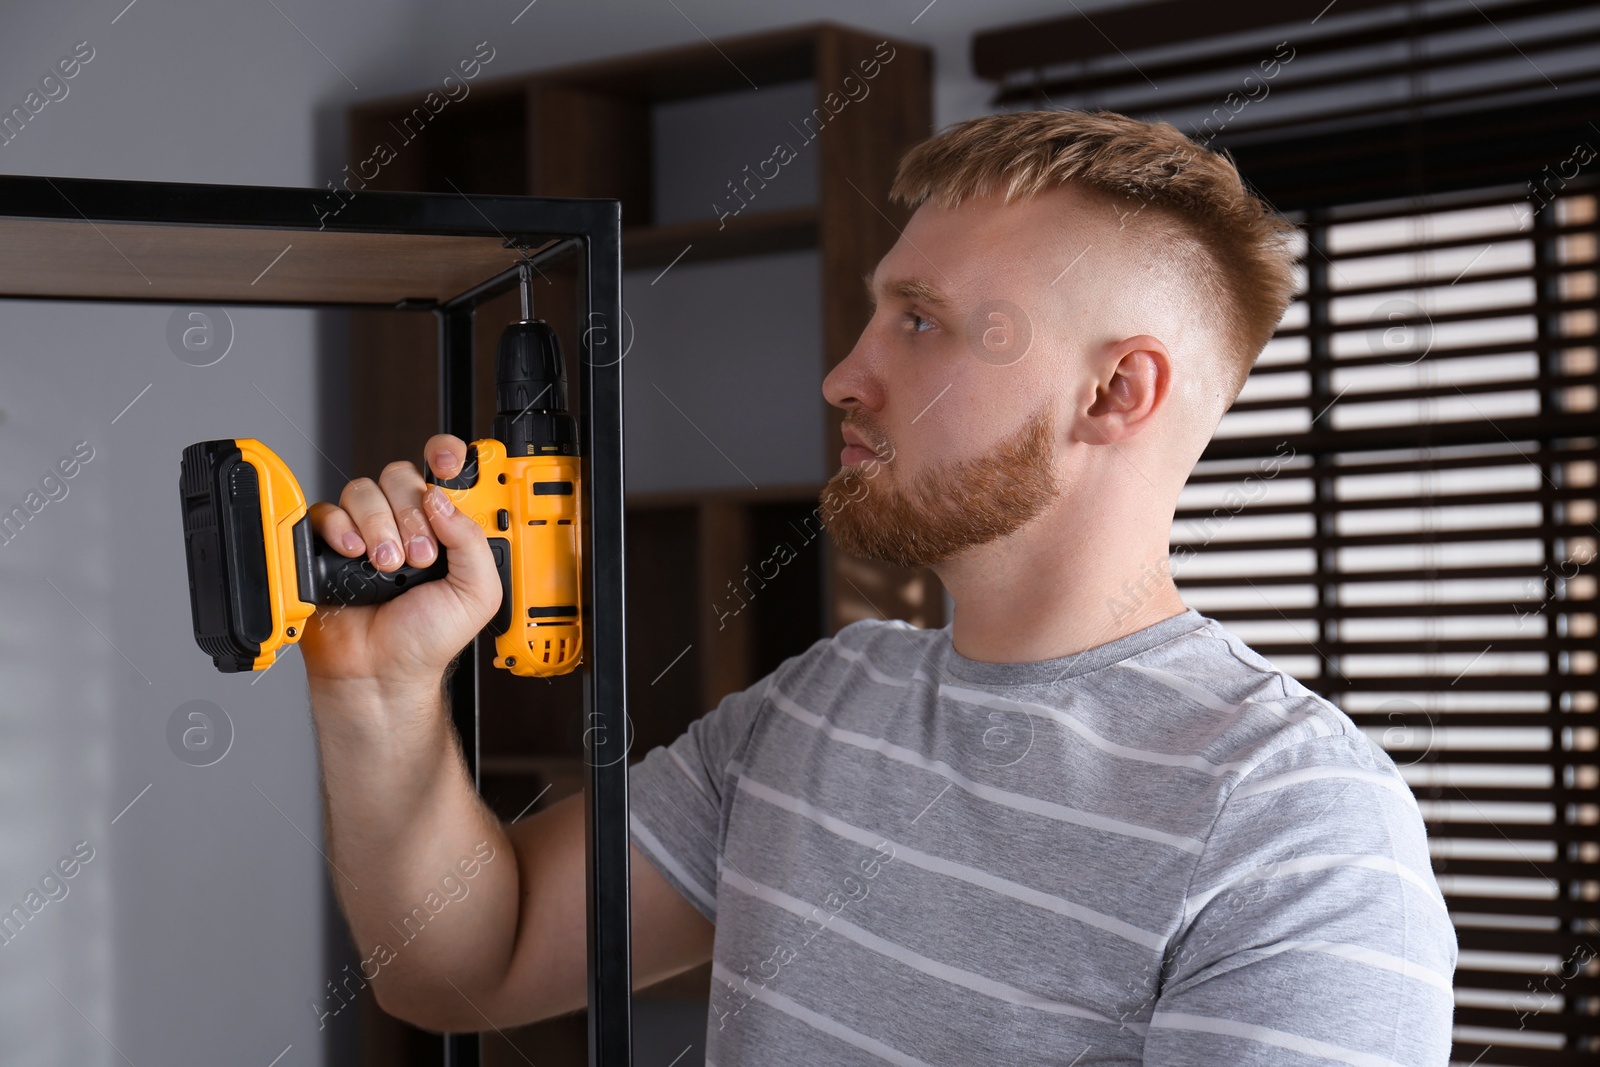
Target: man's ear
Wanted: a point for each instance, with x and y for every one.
(1136, 383)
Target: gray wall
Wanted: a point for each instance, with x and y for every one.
(200, 931)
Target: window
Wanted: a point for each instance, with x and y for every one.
(1401, 509)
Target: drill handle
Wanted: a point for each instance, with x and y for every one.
(326, 577)
(337, 579)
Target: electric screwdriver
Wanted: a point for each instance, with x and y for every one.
(257, 571)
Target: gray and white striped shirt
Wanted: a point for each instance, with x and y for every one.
(1161, 850)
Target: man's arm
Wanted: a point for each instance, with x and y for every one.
(459, 923)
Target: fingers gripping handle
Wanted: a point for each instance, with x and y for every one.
(328, 578)
(336, 579)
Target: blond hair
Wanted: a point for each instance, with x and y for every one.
(1224, 238)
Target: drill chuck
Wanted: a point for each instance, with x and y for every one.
(530, 393)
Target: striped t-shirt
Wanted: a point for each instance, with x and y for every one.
(1161, 850)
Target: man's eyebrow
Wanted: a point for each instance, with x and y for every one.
(913, 289)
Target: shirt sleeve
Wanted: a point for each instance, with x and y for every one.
(677, 793)
(1314, 929)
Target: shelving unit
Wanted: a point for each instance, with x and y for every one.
(438, 259)
(589, 131)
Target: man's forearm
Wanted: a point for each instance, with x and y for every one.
(424, 873)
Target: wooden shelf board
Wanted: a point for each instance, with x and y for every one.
(194, 264)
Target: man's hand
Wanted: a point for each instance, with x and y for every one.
(408, 641)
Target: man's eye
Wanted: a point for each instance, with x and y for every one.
(913, 316)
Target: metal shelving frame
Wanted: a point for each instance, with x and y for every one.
(57, 243)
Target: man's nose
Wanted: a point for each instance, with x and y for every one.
(853, 380)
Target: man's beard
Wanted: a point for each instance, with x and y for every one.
(949, 509)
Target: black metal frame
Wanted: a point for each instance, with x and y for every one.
(590, 226)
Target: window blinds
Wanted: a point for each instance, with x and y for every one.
(1401, 508)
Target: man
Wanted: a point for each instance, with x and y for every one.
(1082, 824)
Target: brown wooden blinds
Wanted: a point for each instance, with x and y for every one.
(1402, 508)
(1328, 101)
